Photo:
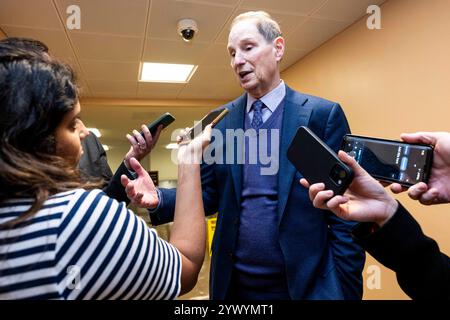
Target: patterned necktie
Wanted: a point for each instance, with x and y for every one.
(257, 120)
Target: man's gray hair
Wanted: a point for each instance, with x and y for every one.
(267, 27)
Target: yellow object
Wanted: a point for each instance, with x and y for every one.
(210, 227)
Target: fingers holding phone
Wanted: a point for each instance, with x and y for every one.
(212, 118)
(191, 151)
(143, 142)
(365, 200)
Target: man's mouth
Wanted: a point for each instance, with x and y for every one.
(242, 74)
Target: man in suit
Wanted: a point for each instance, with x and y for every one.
(387, 231)
(269, 242)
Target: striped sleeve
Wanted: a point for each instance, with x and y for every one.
(104, 251)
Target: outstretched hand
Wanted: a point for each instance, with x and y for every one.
(141, 191)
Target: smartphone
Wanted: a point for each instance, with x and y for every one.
(317, 162)
(390, 160)
(211, 118)
(165, 120)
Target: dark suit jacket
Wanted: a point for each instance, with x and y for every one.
(322, 260)
(93, 163)
(423, 272)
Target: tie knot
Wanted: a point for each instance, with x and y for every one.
(258, 105)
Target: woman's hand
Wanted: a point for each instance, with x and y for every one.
(141, 145)
(191, 151)
(365, 200)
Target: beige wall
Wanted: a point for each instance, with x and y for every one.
(161, 161)
(389, 81)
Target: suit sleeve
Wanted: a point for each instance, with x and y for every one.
(349, 257)
(94, 162)
(423, 272)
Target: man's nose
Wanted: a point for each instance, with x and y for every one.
(239, 59)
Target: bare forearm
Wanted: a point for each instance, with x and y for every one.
(188, 231)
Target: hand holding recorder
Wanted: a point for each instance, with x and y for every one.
(365, 200)
(317, 162)
(143, 142)
(437, 189)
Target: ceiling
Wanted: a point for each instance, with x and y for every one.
(116, 35)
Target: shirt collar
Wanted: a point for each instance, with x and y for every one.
(271, 100)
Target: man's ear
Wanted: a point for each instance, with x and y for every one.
(279, 45)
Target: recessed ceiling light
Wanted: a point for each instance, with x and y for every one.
(172, 146)
(95, 131)
(167, 72)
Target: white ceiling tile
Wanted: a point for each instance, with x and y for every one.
(302, 7)
(36, 14)
(118, 17)
(205, 92)
(291, 57)
(55, 40)
(106, 70)
(216, 55)
(313, 33)
(165, 15)
(287, 23)
(212, 83)
(345, 10)
(169, 51)
(119, 89)
(106, 47)
(147, 90)
(230, 3)
(115, 94)
(213, 76)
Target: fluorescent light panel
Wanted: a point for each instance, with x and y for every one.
(172, 146)
(167, 72)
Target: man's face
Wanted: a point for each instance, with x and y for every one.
(253, 59)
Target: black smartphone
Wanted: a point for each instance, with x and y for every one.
(390, 160)
(164, 120)
(211, 118)
(317, 162)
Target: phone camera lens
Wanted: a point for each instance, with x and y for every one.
(338, 174)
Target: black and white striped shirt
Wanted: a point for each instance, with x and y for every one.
(84, 245)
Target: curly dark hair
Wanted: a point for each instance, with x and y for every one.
(36, 92)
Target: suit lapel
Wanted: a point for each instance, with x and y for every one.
(236, 121)
(296, 113)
